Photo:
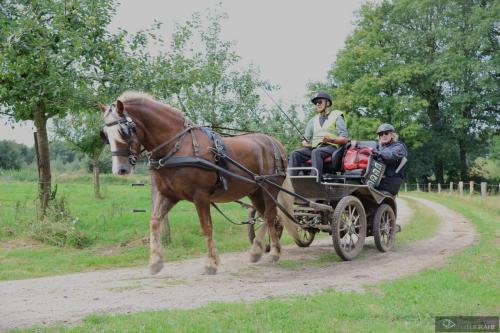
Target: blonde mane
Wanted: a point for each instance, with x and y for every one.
(132, 96)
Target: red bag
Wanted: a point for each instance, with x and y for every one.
(356, 158)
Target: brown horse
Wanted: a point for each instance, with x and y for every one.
(136, 120)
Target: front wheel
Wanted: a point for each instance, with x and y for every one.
(384, 228)
(258, 223)
(348, 227)
(301, 237)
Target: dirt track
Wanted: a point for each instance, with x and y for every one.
(68, 298)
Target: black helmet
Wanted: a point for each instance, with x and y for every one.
(385, 128)
(323, 95)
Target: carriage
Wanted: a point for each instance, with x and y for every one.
(346, 205)
(189, 162)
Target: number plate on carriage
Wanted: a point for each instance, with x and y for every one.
(374, 173)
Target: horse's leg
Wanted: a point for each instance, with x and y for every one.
(202, 203)
(270, 216)
(161, 207)
(257, 248)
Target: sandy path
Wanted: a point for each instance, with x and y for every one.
(68, 298)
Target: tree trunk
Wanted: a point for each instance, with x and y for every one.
(439, 169)
(463, 160)
(96, 172)
(44, 175)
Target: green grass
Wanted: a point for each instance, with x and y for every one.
(467, 285)
(115, 231)
(423, 223)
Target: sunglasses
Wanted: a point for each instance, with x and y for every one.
(384, 133)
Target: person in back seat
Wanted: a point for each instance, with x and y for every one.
(325, 132)
(391, 152)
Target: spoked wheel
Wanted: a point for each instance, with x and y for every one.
(348, 227)
(301, 237)
(384, 228)
(258, 223)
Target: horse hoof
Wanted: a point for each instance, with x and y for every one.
(275, 258)
(254, 257)
(156, 267)
(210, 270)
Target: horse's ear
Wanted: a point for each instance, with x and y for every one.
(102, 107)
(119, 107)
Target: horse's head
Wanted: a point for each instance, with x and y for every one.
(120, 132)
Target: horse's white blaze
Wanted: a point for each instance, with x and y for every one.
(119, 162)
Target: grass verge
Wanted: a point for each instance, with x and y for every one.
(467, 285)
(118, 236)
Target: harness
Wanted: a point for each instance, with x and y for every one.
(221, 157)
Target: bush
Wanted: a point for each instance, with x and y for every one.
(59, 227)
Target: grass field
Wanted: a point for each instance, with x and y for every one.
(117, 235)
(467, 285)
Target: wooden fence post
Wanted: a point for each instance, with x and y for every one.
(451, 187)
(418, 187)
(484, 190)
(429, 187)
(461, 187)
(439, 188)
(406, 187)
(471, 187)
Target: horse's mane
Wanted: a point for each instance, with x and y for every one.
(136, 96)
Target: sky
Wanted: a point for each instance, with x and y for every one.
(291, 42)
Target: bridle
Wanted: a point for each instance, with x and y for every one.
(127, 131)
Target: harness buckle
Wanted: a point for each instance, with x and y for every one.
(161, 163)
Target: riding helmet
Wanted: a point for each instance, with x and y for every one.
(323, 95)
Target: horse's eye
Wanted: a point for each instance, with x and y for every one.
(104, 138)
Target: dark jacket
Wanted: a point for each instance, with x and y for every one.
(391, 155)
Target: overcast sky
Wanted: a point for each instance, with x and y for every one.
(292, 42)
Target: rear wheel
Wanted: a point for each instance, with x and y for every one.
(384, 228)
(348, 227)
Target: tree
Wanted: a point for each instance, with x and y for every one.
(429, 68)
(46, 48)
(200, 73)
(10, 156)
(80, 132)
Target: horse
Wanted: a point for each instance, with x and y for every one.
(136, 120)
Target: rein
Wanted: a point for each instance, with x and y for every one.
(127, 128)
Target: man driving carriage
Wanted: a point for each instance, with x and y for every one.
(392, 152)
(324, 134)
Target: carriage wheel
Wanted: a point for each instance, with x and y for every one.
(349, 227)
(252, 228)
(301, 237)
(384, 228)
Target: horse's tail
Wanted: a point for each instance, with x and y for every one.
(286, 200)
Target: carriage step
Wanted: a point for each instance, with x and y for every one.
(304, 214)
(320, 207)
(398, 228)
